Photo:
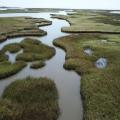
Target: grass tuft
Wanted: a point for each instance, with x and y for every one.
(7, 69)
(21, 26)
(34, 50)
(37, 65)
(30, 99)
(12, 48)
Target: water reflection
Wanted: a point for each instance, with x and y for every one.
(101, 63)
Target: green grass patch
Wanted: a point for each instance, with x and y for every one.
(2, 38)
(30, 99)
(34, 50)
(3, 57)
(7, 69)
(108, 18)
(12, 48)
(95, 21)
(37, 65)
(100, 88)
(21, 26)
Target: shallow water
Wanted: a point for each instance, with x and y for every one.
(67, 82)
(101, 63)
(118, 12)
(3, 9)
(88, 51)
(12, 56)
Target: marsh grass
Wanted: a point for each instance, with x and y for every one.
(99, 87)
(108, 18)
(37, 64)
(34, 50)
(91, 21)
(21, 26)
(3, 57)
(12, 48)
(2, 38)
(7, 69)
(28, 99)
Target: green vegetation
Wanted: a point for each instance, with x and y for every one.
(100, 88)
(3, 57)
(37, 64)
(34, 50)
(7, 69)
(12, 48)
(91, 21)
(30, 99)
(2, 38)
(108, 18)
(21, 26)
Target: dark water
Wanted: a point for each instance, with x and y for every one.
(67, 82)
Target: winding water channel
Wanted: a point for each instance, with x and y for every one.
(67, 82)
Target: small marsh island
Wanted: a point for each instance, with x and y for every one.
(59, 64)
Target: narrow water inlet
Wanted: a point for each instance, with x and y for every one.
(12, 56)
(67, 82)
